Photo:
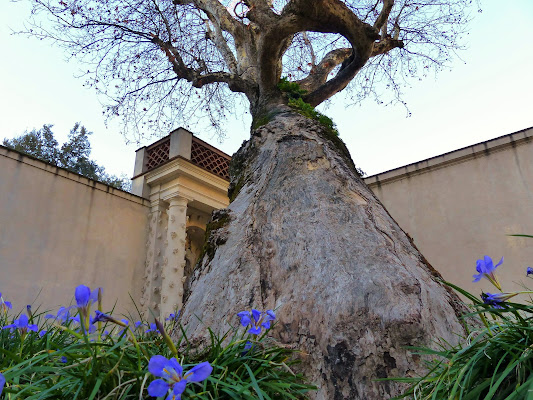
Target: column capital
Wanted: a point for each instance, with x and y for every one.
(158, 205)
(178, 201)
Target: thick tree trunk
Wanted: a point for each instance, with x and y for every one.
(307, 238)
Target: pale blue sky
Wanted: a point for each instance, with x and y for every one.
(486, 94)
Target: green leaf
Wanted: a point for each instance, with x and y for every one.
(254, 382)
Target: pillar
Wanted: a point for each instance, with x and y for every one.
(155, 245)
(172, 271)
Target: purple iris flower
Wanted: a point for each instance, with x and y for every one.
(101, 317)
(64, 359)
(42, 333)
(63, 315)
(173, 378)
(153, 328)
(496, 299)
(173, 317)
(4, 305)
(248, 346)
(84, 297)
(2, 382)
(90, 322)
(486, 268)
(529, 271)
(22, 325)
(257, 320)
(126, 323)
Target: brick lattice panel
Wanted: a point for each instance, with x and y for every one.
(210, 160)
(158, 155)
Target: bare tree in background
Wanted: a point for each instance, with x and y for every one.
(303, 234)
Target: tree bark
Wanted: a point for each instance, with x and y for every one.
(306, 237)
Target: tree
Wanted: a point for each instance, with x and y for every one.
(303, 234)
(73, 155)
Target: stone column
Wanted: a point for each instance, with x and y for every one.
(174, 261)
(155, 246)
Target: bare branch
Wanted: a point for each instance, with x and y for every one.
(218, 39)
(260, 12)
(334, 16)
(158, 82)
(319, 16)
(335, 85)
(371, 10)
(327, 16)
(218, 12)
(234, 83)
(163, 18)
(174, 56)
(310, 46)
(385, 45)
(195, 76)
(319, 73)
(381, 20)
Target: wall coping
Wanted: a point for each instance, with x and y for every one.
(73, 176)
(453, 157)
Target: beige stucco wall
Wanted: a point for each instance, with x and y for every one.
(460, 206)
(59, 230)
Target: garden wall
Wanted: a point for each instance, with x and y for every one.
(462, 205)
(59, 229)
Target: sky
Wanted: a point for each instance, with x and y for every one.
(486, 93)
